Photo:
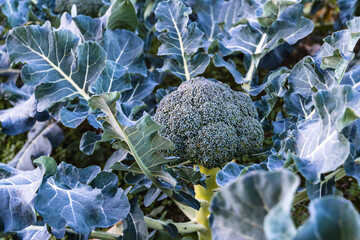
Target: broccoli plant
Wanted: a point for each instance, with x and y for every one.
(204, 142)
(210, 125)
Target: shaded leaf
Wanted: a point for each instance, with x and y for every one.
(16, 11)
(23, 115)
(123, 16)
(125, 48)
(228, 174)
(320, 189)
(41, 139)
(88, 142)
(230, 66)
(134, 225)
(347, 9)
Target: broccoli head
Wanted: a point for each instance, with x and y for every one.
(85, 7)
(209, 123)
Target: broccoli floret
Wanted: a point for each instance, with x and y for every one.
(85, 7)
(209, 123)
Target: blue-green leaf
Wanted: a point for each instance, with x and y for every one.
(123, 15)
(81, 199)
(20, 118)
(304, 77)
(16, 11)
(88, 142)
(241, 209)
(91, 28)
(210, 16)
(141, 87)
(320, 145)
(347, 9)
(228, 174)
(180, 40)
(114, 78)
(134, 224)
(217, 16)
(320, 189)
(23, 115)
(74, 118)
(34, 234)
(352, 165)
(352, 77)
(195, 66)
(40, 141)
(18, 190)
(331, 218)
(230, 66)
(53, 65)
(125, 48)
(255, 41)
(327, 68)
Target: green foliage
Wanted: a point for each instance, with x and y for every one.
(123, 16)
(96, 74)
(10, 145)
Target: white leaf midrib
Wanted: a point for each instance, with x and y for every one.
(187, 75)
(57, 68)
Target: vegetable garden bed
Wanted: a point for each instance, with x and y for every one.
(209, 119)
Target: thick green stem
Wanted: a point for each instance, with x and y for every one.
(186, 227)
(10, 71)
(253, 65)
(302, 195)
(188, 211)
(205, 194)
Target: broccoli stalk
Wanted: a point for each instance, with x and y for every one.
(210, 125)
(205, 194)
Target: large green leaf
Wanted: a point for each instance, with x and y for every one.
(180, 40)
(141, 140)
(123, 16)
(331, 218)
(241, 208)
(81, 199)
(320, 145)
(327, 68)
(18, 190)
(51, 62)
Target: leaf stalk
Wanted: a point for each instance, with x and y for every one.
(183, 228)
(302, 195)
